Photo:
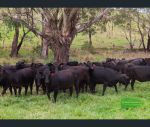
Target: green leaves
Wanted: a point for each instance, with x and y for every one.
(87, 14)
(11, 24)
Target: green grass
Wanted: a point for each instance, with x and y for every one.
(87, 106)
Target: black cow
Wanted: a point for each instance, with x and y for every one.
(4, 81)
(98, 63)
(110, 59)
(107, 77)
(147, 61)
(72, 63)
(17, 79)
(39, 78)
(63, 66)
(64, 79)
(121, 65)
(110, 64)
(9, 67)
(138, 61)
(139, 73)
(83, 74)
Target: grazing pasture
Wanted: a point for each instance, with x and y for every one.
(87, 106)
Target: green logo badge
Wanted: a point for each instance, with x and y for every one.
(131, 102)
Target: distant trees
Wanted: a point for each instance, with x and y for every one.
(16, 27)
(142, 19)
(134, 20)
(124, 18)
(4, 34)
(87, 14)
(57, 27)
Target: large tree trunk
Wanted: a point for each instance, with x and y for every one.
(148, 43)
(61, 49)
(61, 54)
(44, 42)
(142, 39)
(44, 50)
(14, 43)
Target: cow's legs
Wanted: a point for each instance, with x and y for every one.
(31, 87)
(104, 89)
(126, 87)
(116, 88)
(10, 89)
(26, 89)
(19, 91)
(55, 95)
(37, 87)
(77, 88)
(132, 84)
(15, 91)
(44, 88)
(4, 90)
(48, 94)
(71, 90)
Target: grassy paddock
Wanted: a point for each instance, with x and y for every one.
(87, 106)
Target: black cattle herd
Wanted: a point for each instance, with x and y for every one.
(73, 75)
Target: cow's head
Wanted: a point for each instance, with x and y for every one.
(124, 79)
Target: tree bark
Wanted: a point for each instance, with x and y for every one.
(61, 53)
(128, 39)
(148, 43)
(44, 42)
(142, 39)
(130, 31)
(44, 50)
(143, 43)
(22, 39)
(141, 34)
(14, 43)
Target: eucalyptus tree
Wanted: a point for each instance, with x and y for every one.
(60, 27)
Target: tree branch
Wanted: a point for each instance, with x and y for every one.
(72, 13)
(22, 39)
(84, 26)
(124, 31)
(31, 28)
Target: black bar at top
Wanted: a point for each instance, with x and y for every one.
(74, 3)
